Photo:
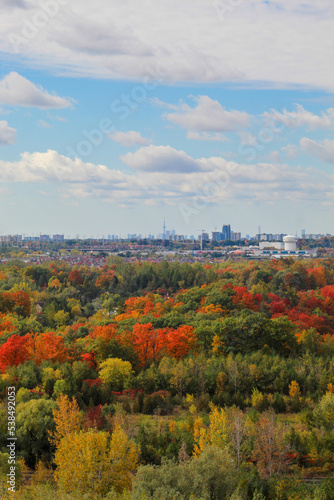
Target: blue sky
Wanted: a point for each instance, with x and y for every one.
(115, 115)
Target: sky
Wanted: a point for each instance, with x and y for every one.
(114, 115)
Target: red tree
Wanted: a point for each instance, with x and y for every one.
(147, 342)
(14, 351)
(75, 277)
(180, 341)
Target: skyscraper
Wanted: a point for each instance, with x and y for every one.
(226, 231)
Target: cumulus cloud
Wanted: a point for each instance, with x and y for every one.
(161, 159)
(15, 90)
(300, 117)
(215, 179)
(130, 139)
(52, 167)
(7, 134)
(324, 151)
(208, 116)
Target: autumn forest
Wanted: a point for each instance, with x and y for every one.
(168, 380)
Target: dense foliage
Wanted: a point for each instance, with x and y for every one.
(181, 380)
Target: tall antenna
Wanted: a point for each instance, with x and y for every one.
(164, 230)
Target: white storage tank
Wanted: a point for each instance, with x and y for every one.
(290, 243)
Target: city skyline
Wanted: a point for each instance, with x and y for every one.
(226, 233)
(115, 115)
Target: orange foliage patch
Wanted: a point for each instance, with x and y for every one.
(152, 344)
(13, 301)
(244, 299)
(106, 332)
(210, 309)
(48, 347)
(318, 273)
(5, 324)
(14, 351)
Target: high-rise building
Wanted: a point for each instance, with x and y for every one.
(11, 238)
(235, 236)
(226, 231)
(216, 236)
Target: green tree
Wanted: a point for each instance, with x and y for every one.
(34, 420)
(324, 412)
(210, 476)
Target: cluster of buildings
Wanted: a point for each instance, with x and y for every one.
(280, 236)
(277, 241)
(286, 247)
(18, 238)
(226, 234)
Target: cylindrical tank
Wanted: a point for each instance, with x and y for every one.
(290, 243)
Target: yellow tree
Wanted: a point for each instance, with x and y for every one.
(123, 457)
(67, 418)
(116, 372)
(81, 460)
(87, 461)
(294, 389)
(214, 435)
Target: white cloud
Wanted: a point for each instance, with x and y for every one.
(104, 39)
(124, 39)
(322, 150)
(161, 159)
(52, 167)
(214, 179)
(301, 118)
(7, 134)
(208, 116)
(130, 139)
(15, 90)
